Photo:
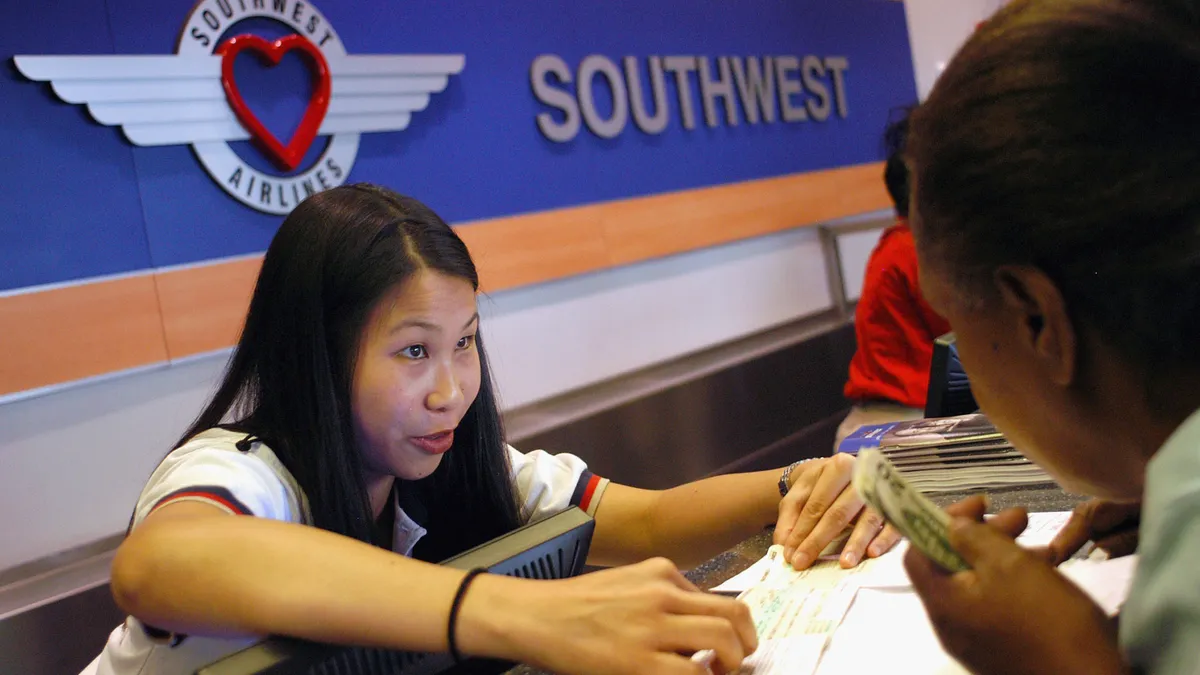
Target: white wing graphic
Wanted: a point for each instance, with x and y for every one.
(170, 100)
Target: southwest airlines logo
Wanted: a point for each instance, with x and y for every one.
(192, 97)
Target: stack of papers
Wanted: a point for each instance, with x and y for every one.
(818, 621)
(949, 454)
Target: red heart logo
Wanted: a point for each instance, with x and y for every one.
(290, 156)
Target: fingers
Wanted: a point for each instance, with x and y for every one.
(706, 621)
(1110, 516)
(1010, 521)
(1043, 553)
(865, 530)
(979, 541)
(1114, 523)
(691, 620)
(975, 539)
(796, 498)
(688, 634)
(835, 519)
(829, 485)
(927, 577)
(665, 569)
(1120, 544)
(884, 541)
(733, 613)
(1073, 535)
(972, 507)
(653, 616)
(674, 664)
(789, 511)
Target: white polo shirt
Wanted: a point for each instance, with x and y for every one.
(210, 468)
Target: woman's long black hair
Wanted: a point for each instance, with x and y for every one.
(289, 380)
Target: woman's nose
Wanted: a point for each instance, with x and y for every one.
(446, 392)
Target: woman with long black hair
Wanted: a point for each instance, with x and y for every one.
(357, 421)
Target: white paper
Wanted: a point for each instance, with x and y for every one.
(883, 572)
(895, 626)
(744, 580)
(1106, 582)
(793, 628)
(830, 621)
(886, 631)
(1042, 528)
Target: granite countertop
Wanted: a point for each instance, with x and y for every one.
(725, 565)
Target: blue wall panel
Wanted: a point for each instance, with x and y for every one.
(81, 201)
(70, 205)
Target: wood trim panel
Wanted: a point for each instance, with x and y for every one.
(203, 307)
(74, 332)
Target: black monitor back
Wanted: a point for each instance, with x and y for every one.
(552, 548)
(949, 391)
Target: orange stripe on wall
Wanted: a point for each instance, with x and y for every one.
(74, 332)
(526, 249)
(651, 227)
(65, 334)
(203, 307)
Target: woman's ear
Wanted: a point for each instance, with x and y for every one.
(1044, 325)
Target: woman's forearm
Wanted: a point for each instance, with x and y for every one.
(688, 524)
(226, 576)
(699, 520)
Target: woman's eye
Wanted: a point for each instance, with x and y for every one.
(466, 342)
(413, 352)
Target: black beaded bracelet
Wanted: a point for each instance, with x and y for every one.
(455, 606)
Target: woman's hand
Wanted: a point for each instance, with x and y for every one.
(1012, 612)
(643, 618)
(820, 505)
(1113, 526)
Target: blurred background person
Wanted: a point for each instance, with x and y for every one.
(894, 326)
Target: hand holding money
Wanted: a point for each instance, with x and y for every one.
(1011, 612)
(880, 485)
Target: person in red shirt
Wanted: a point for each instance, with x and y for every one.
(895, 327)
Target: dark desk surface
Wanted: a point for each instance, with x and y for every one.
(738, 558)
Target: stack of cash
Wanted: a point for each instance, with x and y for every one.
(949, 454)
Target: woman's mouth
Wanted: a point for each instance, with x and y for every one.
(435, 444)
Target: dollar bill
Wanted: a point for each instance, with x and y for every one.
(927, 527)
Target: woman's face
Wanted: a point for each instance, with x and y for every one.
(417, 374)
